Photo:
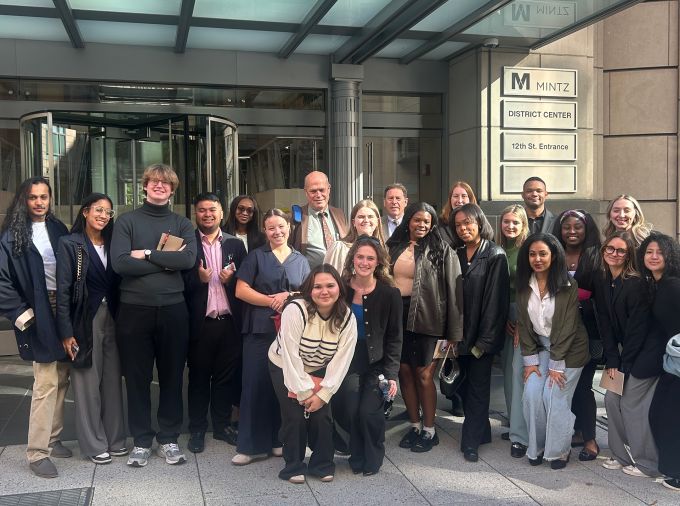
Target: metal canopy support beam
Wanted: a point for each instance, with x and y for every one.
(69, 22)
(313, 17)
(185, 13)
(395, 18)
(455, 29)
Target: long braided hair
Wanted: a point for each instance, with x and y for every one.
(17, 220)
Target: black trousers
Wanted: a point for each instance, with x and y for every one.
(664, 419)
(583, 403)
(296, 431)
(477, 395)
(214, 374)
(146, 334)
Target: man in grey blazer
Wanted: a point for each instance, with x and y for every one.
(534, 193)
(395, 201)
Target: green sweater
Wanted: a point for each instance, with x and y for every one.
(511, 252)
(158, 281)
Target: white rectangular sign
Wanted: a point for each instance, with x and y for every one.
(540, 115)
(537, 82)
(539, 147)
(540, 14)
(558, 178)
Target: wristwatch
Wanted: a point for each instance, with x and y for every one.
(147, 254)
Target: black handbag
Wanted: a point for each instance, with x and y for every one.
(450, 375)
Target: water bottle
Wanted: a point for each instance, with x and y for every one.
(384, 386)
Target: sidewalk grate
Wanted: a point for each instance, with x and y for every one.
(70, 497)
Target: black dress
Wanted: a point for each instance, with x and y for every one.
(664, 415)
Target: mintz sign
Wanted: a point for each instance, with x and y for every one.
(538, 82)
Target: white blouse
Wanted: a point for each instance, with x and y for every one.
(541, 310)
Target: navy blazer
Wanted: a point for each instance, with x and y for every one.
(22, 286)
(196, 292)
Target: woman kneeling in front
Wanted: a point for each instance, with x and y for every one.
(554, 346)
(308, 361)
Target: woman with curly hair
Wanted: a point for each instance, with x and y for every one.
(426, 272)
(631, 348)
(486, 295)
(659, 260)
(578, 234)
(243, 222)
(625, 214)
(364, 220)
(377, 306)
(460, 193)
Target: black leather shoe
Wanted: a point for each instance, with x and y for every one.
(409, 438)
(537, 461)
(470, 454)
(518, 450)
(561, 463)
(196, 442)
(425, 442)
(228, 435)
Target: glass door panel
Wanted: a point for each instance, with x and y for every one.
(223, 173)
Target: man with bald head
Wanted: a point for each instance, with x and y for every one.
(321, 224)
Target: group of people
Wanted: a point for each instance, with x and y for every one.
(296, 332)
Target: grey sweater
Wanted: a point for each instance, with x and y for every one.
(158, 281)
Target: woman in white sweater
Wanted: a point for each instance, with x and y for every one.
(308, 361)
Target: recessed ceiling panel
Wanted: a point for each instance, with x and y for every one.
(236, 40)
(321, 44)
(138, 34)
(19, 27)
(398, 48)
(170, 7)
(353, 12)
(284, 11)
(448, 15)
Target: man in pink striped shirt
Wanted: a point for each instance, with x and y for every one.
(215, 344)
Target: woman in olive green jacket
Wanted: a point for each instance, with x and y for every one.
(554, 346)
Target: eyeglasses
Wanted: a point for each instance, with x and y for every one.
(619, 252)
(102, 210)
(155, 181)
(245, 210)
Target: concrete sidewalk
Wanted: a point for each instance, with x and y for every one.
(438, 477)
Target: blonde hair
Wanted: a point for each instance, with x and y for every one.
(639, 229)
(518, 211)
(446, 211)
(352, 235)
(161, 171)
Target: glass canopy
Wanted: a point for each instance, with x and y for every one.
(350, 31)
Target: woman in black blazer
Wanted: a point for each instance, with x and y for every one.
(486, 300)
(623, 308)
(659, 260)
(377, 305)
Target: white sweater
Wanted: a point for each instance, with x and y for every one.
(305, 345)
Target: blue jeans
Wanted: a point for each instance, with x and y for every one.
(513, 376)
(547, 410)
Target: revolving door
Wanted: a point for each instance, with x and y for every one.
(84, 152)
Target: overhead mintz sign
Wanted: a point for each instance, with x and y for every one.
(538, 82)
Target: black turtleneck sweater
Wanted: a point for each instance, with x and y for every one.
(158, 281)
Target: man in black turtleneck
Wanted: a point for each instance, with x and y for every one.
(153, 322)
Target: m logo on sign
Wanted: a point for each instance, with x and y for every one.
(521, 82)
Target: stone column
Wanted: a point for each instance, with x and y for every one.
(345, 171)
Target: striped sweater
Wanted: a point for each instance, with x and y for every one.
(305, 345)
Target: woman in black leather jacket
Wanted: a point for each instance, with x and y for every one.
(486, 290)
(427, 273)
(87, 293)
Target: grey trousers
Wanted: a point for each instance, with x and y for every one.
(547, 410)
(628, 425)
(98, 392)
(513, 378)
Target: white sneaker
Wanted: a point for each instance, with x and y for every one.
(171, 453)
(612, 464)
(102, 458)
(241, 459)
(139, 456)
(634, 471)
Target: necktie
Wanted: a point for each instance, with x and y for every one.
(328, 239)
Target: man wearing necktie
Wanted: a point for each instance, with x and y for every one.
(396, 200)
(321, 224)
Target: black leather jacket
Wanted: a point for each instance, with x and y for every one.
(486, 297)
(435, 308)
(382, 326)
